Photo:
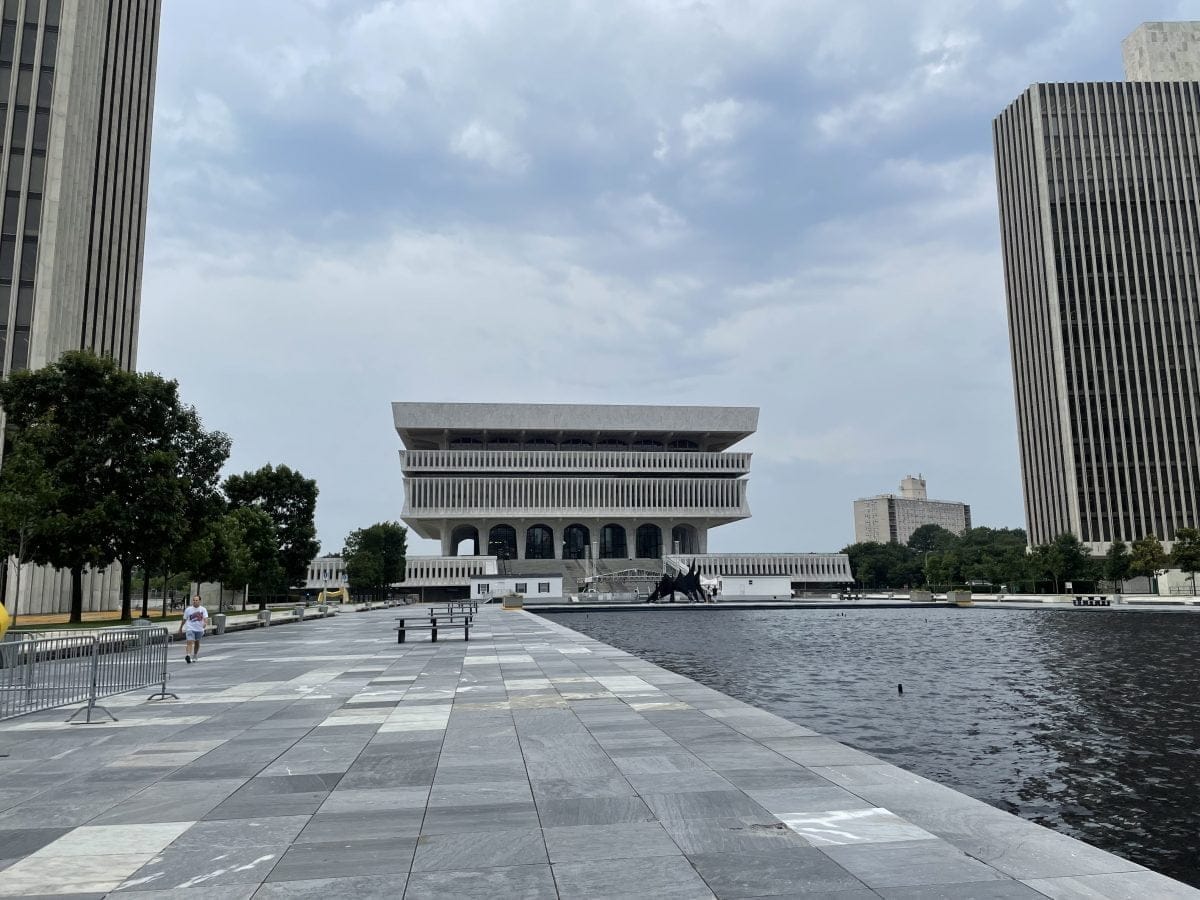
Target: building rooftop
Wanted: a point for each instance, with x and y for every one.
(421, 425)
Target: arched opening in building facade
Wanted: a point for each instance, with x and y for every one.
(649, 542)
(502, 542)
(612, 542)
(575, 542)
(539, 542)
(684, 539)
(464, 534)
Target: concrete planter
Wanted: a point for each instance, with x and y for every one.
(959, 598)
(921, 596)
(513, 601)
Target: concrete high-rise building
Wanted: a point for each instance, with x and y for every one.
(889, 518)
(1100, 228)
(76, 102)
(76, 98)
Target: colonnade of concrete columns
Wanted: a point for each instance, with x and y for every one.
(558, 528)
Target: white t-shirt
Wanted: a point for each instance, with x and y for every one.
(193, 618)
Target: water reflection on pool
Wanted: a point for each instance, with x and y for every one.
(1087, 722)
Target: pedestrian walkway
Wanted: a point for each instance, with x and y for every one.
(326, 760)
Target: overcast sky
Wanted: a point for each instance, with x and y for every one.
(788, 205)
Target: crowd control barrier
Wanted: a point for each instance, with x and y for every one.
(41, 671)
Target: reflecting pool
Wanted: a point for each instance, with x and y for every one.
(1087, 722)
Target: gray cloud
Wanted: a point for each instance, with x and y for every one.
(769, 203)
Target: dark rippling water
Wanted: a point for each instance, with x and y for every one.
(1086, 722)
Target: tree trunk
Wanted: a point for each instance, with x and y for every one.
(146, 593)
(166, 581)
(77, 595)
(126, 590)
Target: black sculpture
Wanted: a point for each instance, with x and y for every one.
(686, 583)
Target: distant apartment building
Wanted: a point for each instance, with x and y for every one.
(892, 518)
(1099, 196)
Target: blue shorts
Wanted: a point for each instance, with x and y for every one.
(193, 635)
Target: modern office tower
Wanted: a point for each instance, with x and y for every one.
(556, 481)
(891, 518)
(76, 97)
(1100, 229)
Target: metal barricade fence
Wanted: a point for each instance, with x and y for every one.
(39, 671)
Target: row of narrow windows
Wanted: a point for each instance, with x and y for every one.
(578, 493)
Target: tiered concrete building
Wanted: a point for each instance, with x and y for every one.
(1100, 226)
(597, 493)
(76, 103)
(889, 518)
(546, 481)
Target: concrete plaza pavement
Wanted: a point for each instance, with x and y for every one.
(324, 760)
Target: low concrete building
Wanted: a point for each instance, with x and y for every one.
(777, 587)
(533, 588)
(326, 573)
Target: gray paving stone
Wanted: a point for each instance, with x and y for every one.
(339, 859)
(360, 886)
(633, 839)
(660, 877)
(211, 892)
(904, 863)
(480, 793)
(526, 882)
(808, 799)
(1140, 885)
(772, 874)
(366, 800)
(362, 826)
(237, 833)
(18, 842)
(484, 849)
(732, 835)
(257, 806)
(704, 805)
(198, 867)
(593, 811)
(491, 817)
(700, 780)
(984, 890)
(564, 788)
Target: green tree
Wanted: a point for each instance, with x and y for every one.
(1185, 554)
(247, 551)
(72, 412)
(290, 500)
(932, 539)
(1064, 559)
(26, 492)
(1147, 559)
(375, 556)
(878, 565)
(1117, 564)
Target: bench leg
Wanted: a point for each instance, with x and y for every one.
(400, 634)
(433, 631)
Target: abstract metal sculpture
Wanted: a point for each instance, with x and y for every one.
(685, 583)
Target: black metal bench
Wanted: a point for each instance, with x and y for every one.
(1091, 601)
(432, 625)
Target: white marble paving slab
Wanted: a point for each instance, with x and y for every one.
(853, 826)
(99, 840)
(37, 875)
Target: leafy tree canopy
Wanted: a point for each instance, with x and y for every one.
(290, 500)
(375, 556)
